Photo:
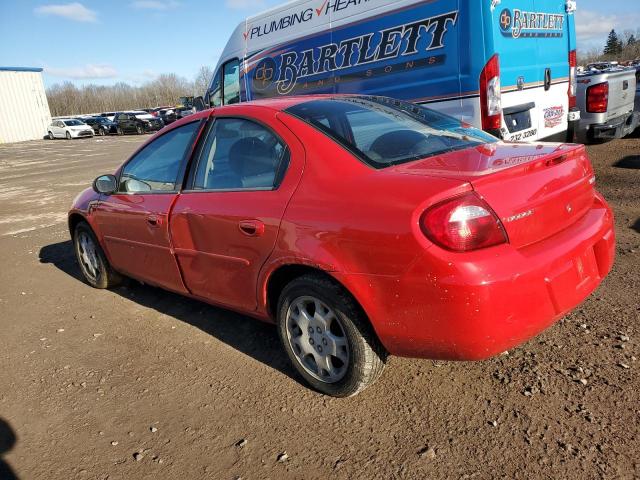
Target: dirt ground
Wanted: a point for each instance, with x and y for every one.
(138, 383)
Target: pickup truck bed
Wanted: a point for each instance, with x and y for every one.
(613, 116)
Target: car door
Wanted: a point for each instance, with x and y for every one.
(225, 226)
(133, 222)
(58, 129)
(129, 123)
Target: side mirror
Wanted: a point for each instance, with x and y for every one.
(105, 184)
(198, 102)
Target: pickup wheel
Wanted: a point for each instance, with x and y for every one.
(328, 337)
(93, 263)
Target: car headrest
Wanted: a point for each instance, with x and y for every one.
(251, 156)
(397, 143)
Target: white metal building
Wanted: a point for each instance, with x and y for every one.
(24, 110)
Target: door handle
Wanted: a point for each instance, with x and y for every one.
(154, 221)
(251, 228)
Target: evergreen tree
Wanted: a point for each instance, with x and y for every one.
(632, 40)
(613, 46)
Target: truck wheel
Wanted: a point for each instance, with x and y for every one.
(93, 264)
(327, 337)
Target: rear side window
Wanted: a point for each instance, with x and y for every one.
(383, 132)
(239, 154)
(155, 168)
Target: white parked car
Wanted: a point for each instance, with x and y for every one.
(69, 128)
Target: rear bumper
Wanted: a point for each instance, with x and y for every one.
(474, 306)
(617, 128)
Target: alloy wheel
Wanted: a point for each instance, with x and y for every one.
(318, 339)
(88, 256)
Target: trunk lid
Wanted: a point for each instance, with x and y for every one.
(536, 190)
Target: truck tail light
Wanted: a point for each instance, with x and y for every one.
(598, 98)
(490, 96)
(462, 224)
(573, 78)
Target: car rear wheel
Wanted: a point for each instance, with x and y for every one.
(51, 136)
(140, 130)
(327, 337)
(68, 135)
(93, 264)
(102, 132)
(120, 131)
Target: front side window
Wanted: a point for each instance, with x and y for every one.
(384, 132)
(240, 154)
(231, 81)
(155, 169)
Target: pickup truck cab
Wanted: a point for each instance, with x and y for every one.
(606, 100)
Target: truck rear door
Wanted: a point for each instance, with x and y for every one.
(533, 40)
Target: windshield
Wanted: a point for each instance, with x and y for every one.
(384, 132)
(73, 123)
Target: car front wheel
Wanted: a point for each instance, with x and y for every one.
(68, 135)
(51, 136)
(119, 131)
(94, 265)
(140, 130)
(327, 337)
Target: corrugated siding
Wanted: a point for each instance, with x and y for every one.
(24, 110)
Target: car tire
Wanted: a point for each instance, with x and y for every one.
(51, 136)
(119, 131)
(68, 135)
(139, 130)
(93, 263)
(102, 132)
(335, 323)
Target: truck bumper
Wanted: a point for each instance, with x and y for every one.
(617, 128)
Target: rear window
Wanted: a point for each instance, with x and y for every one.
(383, 132)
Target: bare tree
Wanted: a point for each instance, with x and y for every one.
(202, 80)
(166, 89)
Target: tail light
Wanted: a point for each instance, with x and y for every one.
(573, 78)
(462, 224)
(598, 98)
(490, 96)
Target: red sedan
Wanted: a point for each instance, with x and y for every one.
(361, 226)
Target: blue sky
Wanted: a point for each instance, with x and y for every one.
(135, 40)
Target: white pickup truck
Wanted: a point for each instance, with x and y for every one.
(606, 100)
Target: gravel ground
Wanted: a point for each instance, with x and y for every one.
(138, 383)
